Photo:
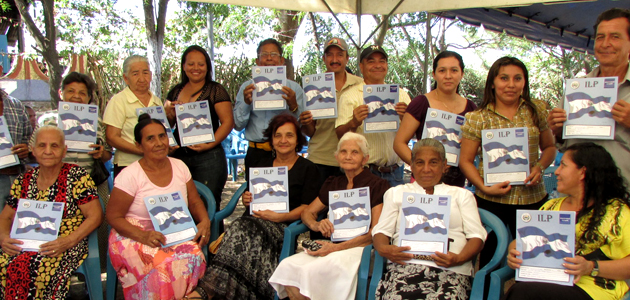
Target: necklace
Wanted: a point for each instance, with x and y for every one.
(437, 92)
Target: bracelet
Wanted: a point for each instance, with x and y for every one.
(542, 169)
(295, 109)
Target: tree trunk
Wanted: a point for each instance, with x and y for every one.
(289, 22)
(155, 40)
(427, 55)
(382, 32)
(46, 45)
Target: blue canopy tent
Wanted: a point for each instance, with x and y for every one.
(567, 24)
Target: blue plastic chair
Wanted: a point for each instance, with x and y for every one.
(492, 224)
(289, 245)
(91, 267)
(215, 219)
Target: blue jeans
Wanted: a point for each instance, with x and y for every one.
(5, 187)
(209, 168)
(394, 178)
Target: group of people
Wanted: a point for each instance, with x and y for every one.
(592, 174)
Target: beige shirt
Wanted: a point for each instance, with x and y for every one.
(323, 144)
(381, 144)
(121, 113)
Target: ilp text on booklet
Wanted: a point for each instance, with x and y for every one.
(321, 95)
(424, 221)
(194, 123)
(381, 100)
(544, 238)
(446, 128)
(36, 223)
(79, 123)
(268, 83)
(170, 215)
(350, 213)
(269, 188)
(505, 155)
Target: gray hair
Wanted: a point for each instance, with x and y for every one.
(359, 139)
(435, 144)
(131, 60)
(48, 128)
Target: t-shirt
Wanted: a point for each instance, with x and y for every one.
(303, 181)
(418, 109)
(613, 241)
(121, 113)
(378, 186)
(135, 182)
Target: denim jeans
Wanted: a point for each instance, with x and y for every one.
(209, 168)
(394, 178)
(5, 187)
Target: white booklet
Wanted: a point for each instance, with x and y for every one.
(157, 112)
(544, 238)
(79, 123)
(170, 215)
(446, 128)
(424, 221)
(268, 83)
(381, 100)
(36, 223)
(269, 188)
(505, 155)
(350, 213)
(588, 103)
(7, 158)
(321, 95)
(194, 123)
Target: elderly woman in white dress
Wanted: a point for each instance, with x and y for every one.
(441, 275)
(331, 272)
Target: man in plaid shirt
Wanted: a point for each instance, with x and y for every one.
(20, 129)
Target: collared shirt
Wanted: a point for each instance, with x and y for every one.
(322, 146)
(381, 148)
(619, 148)
(121, 113)
(256, 121)
(82, 159)
(17, 120)
(464, 224)
(489, 118)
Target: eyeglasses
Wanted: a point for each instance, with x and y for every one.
(266, 54)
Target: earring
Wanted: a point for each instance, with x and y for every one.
(273, 153)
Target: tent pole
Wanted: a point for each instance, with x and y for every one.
(210, 24)
(340, 24)
(360, 45)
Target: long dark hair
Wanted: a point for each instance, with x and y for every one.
(446, 54)
(489, 95)
(602, 183)
(183, 79)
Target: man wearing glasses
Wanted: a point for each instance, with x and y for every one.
(256, 121)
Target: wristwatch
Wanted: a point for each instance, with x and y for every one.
(595, 270)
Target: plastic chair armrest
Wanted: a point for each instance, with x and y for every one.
(497, 282)
(364, 270)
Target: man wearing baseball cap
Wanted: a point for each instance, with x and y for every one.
(383, 161)
(324, 140)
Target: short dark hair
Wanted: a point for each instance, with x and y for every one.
(280, 120)
(183, 77)
(446, 54)
(73, 77)
(269, 41)
(143, 121)
(613, 13)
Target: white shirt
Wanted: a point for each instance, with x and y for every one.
(464, 222)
